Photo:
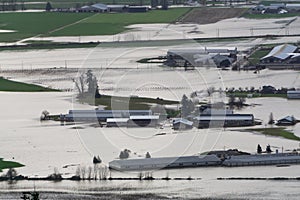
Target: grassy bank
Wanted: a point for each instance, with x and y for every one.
(8, 164)
(125, 103)
(278, 132)
(13, 86)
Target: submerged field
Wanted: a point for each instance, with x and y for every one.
(28, 25)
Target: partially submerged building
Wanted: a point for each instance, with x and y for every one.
(293, 94)
(262, 159)
(287, 121)
(218, 121)
(279, 54)
(102, 115)
(225, 158)
(164, 162)
(201, 57)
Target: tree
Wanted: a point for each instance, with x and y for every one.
(148, 155)
(187, 106)
(124, 154)
(268, 149)
(88, 80)
(11, 173)
(154, 3)
(164, 4)
(92, 82)
(48, 6)
(259, 149)
(271, 119)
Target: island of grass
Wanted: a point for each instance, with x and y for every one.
(9, 164)
(130, 103)
(277, 131)
(14, 86)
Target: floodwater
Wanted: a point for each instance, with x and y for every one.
(44, 146)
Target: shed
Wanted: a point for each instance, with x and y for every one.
(287, 121)
(182, 124)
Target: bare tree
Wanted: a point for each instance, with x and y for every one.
(89, 172)
(83, 172)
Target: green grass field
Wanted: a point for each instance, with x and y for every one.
(32, 24)
(278, 132)
(13, 86)
(269, 16)
(113, 23)
(28, 25)
(8, 164)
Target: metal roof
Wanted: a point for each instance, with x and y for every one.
(281, 52)
(163, 161)
(288, 118)
(99, 6)
(116, 120)
(184, 121)
(224, 117)
(136, 117)
(293, 92)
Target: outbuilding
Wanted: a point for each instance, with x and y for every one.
(218, 121)
(182, 124)
(293, 94)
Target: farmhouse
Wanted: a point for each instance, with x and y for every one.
(218, 121)
(293, 94)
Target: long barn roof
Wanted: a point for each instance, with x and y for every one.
(281, 52)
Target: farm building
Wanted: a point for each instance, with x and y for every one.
(287, 121)
(117, 122)
(262, 159)
(279, 54)
(293, 94)
(292, 7)
(102, 115)
(217, 121)
(143, 121)
(137, 9)
(182, 124)
(165, 162)
(99, 7)
(199, 57)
